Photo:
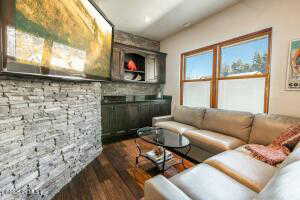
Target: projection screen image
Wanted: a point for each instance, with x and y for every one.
(57, 37)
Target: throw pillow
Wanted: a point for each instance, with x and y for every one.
(279, 149)
(271, 154)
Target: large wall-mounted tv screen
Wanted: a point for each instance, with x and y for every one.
(56, 38)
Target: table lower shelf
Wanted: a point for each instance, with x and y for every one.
(162, 165)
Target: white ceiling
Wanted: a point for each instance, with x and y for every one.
(158, 19)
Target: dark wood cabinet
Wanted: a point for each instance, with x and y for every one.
(165, 108)
(152, 69)
(162, 69)
(123, 119)
(107, 119)
(145, 115)
(133, 112)
(155, 109)
(114, 118)
(117, 61)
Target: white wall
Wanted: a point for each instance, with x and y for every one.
(243, 18)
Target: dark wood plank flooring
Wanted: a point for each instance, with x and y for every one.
(114, 176)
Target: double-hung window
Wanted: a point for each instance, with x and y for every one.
(233, 75)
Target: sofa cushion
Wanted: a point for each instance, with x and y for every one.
(293, 157)
(266, 128)
(243, 168)
(232, 123)
(160, 188)
(211, 141)
(284, 185)
(162, 119)
(189, 115)
(205, 182)
(174, 126)
(297, 146)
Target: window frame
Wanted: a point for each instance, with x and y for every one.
(216, 68)
(183, 71)
(203, 51)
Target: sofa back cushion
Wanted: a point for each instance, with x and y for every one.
(293, 157)
(233, 123)
(283, 185)
(297, 146)
(189, 115)
(266, 128)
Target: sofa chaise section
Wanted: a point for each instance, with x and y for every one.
(234, 173)
(201, 182)
(160, 188)
(243, 168)
(226, 180)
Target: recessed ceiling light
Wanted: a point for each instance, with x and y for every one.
(186, 24)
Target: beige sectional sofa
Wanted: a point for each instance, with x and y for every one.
(211, 131)
(228, 171)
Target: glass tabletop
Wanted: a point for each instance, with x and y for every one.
(163, 137)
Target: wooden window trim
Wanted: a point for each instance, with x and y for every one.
(200, 50)
(197, 52)
(217, 59)
(197, 80)
(244, 77)
(183, 71)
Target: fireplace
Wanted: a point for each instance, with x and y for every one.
(134, 66)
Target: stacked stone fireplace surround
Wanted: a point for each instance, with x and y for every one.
(50, 130)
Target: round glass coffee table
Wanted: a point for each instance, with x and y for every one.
(163, 139)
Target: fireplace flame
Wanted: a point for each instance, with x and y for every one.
(131, 65)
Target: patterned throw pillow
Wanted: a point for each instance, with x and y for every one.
(268, 154)
(279, 149)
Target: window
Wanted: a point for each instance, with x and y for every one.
(199, 66)
(232, 75)
(197, 76)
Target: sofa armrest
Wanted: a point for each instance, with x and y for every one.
(162, 119)
(160, 188)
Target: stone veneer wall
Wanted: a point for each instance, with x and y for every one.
(49, 131)
(137, 41)
(124, 89)
(119, 88)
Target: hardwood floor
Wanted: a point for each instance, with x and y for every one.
(114, 176)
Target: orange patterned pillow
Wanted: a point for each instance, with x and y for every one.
(269, 154)
(279, 149)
